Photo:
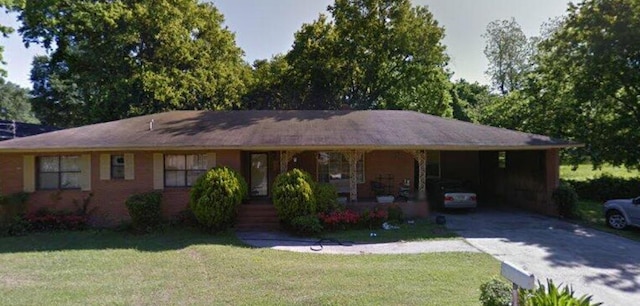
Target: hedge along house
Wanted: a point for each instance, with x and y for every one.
(168, 151)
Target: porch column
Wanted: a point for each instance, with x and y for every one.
(284, 161)
(421, 157)
(285, 158)
(353, 157)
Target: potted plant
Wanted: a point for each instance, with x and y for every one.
(381, 192)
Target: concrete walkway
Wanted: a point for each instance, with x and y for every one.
(283, 241)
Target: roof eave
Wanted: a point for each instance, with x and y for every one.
(439, 147)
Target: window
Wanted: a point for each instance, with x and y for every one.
(335, 166)
(433, 164)
(117, 167)
(59, 172)
(183, 170)
(502, 159)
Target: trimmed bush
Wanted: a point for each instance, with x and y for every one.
(495, 292)
(606, 187)
(566, 200)
(326, 197)
(306, 225)
(215, 196)
(145, 210)
(12, 206)
(293, 195)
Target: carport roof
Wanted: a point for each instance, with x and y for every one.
(284, 130)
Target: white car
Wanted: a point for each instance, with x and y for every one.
(454, 194)
(622, 213)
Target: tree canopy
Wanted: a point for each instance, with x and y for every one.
(586, 85)
(14, 103)
(372, 54)
(111, 59)
(508, 52)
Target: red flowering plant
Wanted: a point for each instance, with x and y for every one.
(44, 220)
(339, 219)
(374, 218)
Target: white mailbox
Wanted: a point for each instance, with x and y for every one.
(522, 278)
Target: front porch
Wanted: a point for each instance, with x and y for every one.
(352, 172)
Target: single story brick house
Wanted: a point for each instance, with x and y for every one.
(350, 149)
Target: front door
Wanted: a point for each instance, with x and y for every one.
(259, 185)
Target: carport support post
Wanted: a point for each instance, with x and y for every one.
(353, 157)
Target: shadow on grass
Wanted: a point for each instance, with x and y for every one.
(163, 240)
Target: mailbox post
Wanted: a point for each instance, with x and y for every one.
(520, 279)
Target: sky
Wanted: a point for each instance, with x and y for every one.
(264, 28)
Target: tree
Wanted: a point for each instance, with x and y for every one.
(469, 100)
(270, 86)
(590, 69)
(122, 58)
(508, 52)
(372, 54)
(56, 98)
(14, 103)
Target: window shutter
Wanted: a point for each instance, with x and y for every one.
(211, 160)
(158, 171)
(85, 174)
(129, 166)
(105, 167)
(29, 173)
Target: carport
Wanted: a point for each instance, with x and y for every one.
(513, 177)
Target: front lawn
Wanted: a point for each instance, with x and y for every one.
(189, 267)
(590, 214)
(585, 172)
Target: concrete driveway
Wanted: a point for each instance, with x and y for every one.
(593, 262)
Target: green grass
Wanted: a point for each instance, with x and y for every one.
(420, 230)
(586, 171)
(590, 214)
(189, 267)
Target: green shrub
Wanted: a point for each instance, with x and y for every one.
(495, 292)
(395, 214)
(553, 295)
(566, 199)
(12, 206)
(306, 225)
(19, 226)
(214, 198)
(326, 197)
(293, 195)
(145, 210)
(606, 187)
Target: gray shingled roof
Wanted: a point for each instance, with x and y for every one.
(280, 130)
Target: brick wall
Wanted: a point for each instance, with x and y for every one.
(106, 206)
